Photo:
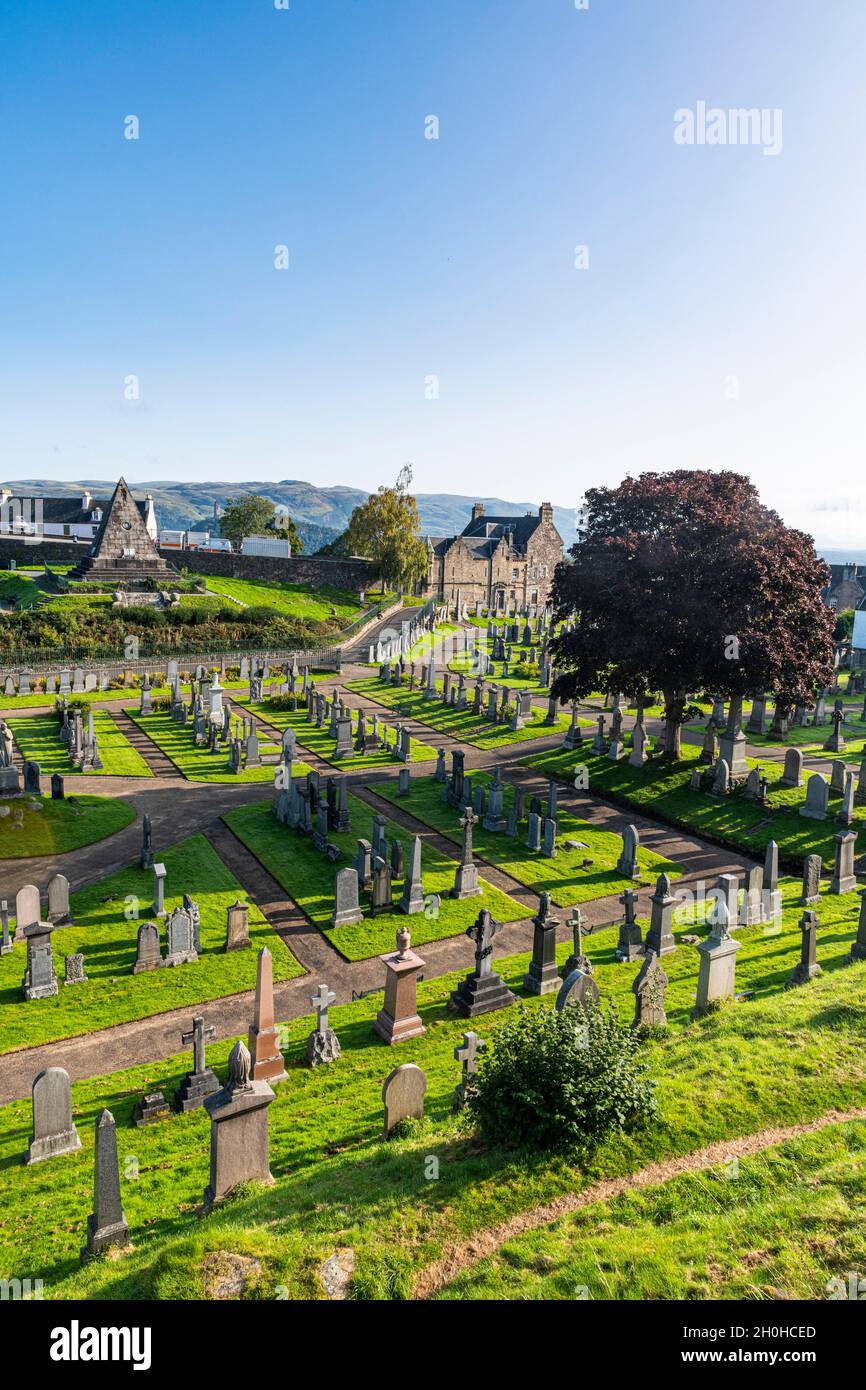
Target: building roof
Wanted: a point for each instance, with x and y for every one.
(494, 528)
(68, 511)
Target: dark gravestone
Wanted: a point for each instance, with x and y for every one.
(807, 967)
(543, 976)
(106, 1224)
(483, 990)
(199, 1082)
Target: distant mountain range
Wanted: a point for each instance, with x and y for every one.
(320, 513)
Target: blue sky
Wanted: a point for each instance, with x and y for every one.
(411, 258)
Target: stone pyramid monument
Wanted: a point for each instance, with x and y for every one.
(122, 549)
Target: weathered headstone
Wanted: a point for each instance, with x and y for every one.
(630, 943)
(659, 937)
(412, 899)
(817, 797)
(403, 1096)
(844, 879)
(792, 775)
(718, 962)
(627, 863)
(53, 1129)
(58, 900)
(148, 954)
(201, 1081)
(180, 942)
(807, 967)
(323, 1045)
(74, 969)
(811, 880)
(649, 994)
(106, 1224)
(543, 976)
(466, 883)
(239, 1146)
(466, 1053)
(237, 926)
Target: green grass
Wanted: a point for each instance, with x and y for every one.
(30, 827)
(18, 593)
(308, 878)
(10, 705)
(750, 1230)
(108, 938)
(661, 789)
(431, 641)
(195, 762)
(564, 877)
(783, 1059)
(38, 737)
(320, 742)
(460, 724)
(469, 666)
(292, 600)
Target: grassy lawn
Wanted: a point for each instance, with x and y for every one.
(10, 705)
(661, 789)
(565, 877)
(460, 724)
(469, 666)
(319, 741)
(782, 1059)
(756, 1230)
(196, 763)
(308, 878)
(38, 736)
(293, 600)
(112, 994)
(430, 641)
(30, 827)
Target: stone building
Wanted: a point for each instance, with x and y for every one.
(73, 518)
(496, 560)
(846, 587)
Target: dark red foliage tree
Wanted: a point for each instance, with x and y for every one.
(684, 582)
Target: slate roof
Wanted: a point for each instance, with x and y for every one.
(68, 511)
(493, 528)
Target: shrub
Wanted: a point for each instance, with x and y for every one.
(561, 1080)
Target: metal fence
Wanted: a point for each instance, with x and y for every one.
(118, 664)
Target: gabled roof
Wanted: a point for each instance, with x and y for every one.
(494, 528)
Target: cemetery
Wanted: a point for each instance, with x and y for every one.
(40, 737)
(372, 744)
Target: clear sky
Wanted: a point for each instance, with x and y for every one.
(411, 258)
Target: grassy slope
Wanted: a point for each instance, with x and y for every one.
(38, 736)
(308, 878)
(293, 600)
(112, 994)
(460, 724)
(751, 1231)
(785, 1058)
(564, 877)
(30, 827)
(319, 741)
(661, 789)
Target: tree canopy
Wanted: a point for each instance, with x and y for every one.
(684, 582)
(253, 515)
(386, 528)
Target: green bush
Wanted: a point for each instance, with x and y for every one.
(561, 1080)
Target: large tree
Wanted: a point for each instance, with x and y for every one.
(386, 528)
(254, 515)
(684, 582)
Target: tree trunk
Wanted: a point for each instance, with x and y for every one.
(673, 724)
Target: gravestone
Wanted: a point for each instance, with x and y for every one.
(752, 908)
(466, 1053)
(263, 1040)
(466, 883)
(718, 962)
(844, 879)
(180, 943)
(649, 994)
(5, 941)
(577, 988)
(200, 1082)
(858, 948)
(543, 976)
(239, 1145)
(238, 926)
(106, 1224)
(58, 900)
(721, 778)
(403, 1096)
(159, 873)
(771, 893)
(845, 815)
(412, 899)
(807, 967)
(323, 1045)
(792, 776)
(58, 792)
(150, 1109)
(483, 990)
(74, 969)
(659, 937)
(54, 1132)
(811, 880)
(32, 778)
(28, 909)
(346, 908)
(627, 862)
(630, 943)
(398, 1018)
(40, 981)
(817, 797)
(148, 953)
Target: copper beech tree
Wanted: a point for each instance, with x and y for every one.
(685, 583)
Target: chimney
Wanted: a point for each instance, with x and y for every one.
(545, 512)
(477, 511)
(86, 501)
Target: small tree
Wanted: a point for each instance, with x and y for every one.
(248, 515)
(386, 529)
(683, 582)
(561, 1080)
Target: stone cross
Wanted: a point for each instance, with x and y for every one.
(321, 1002)
(198, 1036)
(467, 1053)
